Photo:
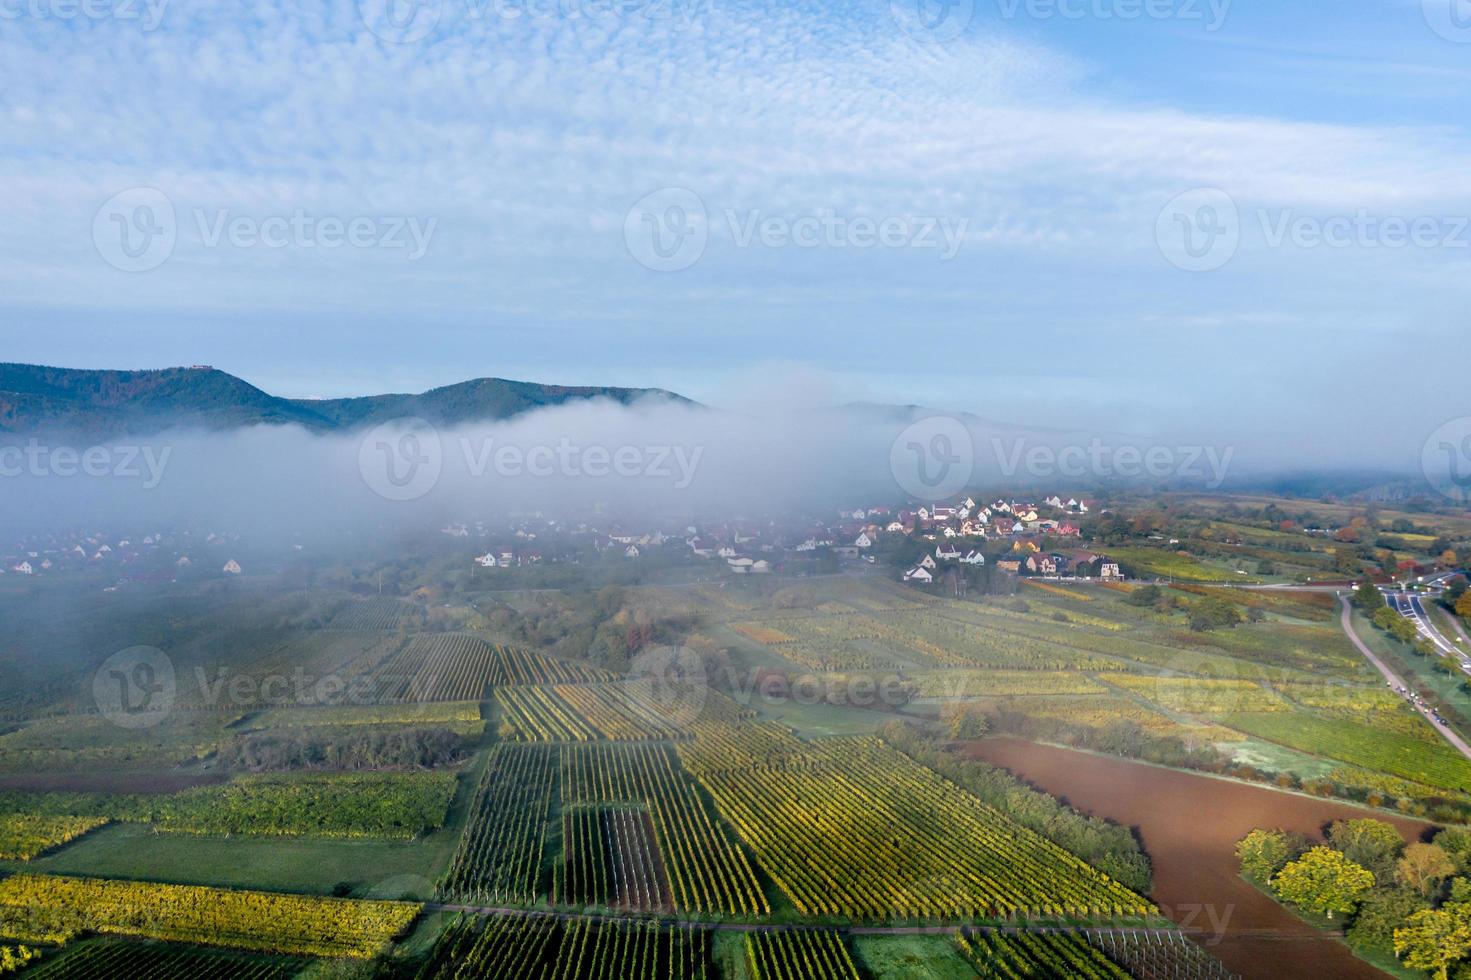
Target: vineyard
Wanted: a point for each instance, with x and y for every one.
(500, 854)
(55, 910)
(1428, 763)
(515, 948)
(387, 805)
(1001, 683)
(610, 858)
(108, 959)
(1157, 955)
(862, 832)
(379, 805)
(373, 614)
(1200, 696)
(580, 713)
(798, 955)
(706, 871)
(436, 667)
(1036, 954)
(27, 835)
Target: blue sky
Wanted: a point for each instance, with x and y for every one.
(1061, 143)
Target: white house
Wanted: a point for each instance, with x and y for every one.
(927, 562)
(863, 541)
(486, 560)
(24, 568)
(232, 567)
(918, 574)
(631, 551)
(973, 557)
(947, 552)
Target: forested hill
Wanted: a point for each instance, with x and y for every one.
(105, 404)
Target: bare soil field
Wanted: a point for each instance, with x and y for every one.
(1189, 824)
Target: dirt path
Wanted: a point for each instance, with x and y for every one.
(1189, 824)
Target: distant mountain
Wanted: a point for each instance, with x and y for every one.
(108, 404)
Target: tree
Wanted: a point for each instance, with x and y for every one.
(1433, 939)
(1463, 606)
(1368, 597)
(1423, 867)
(1323, 882)
(1382, 912)
(1371, 844)
(1145, 595)
(1263, 853)
(963, 721)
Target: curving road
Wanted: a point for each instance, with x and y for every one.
(1346, 618)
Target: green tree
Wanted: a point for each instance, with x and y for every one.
(1423, 867)
(1382, 912)
(1145, 595)
(1323, 882)
(1433, 939)
(1263, 853)
(1368, 597)
(1371, 844)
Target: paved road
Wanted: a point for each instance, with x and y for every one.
(1394, 680)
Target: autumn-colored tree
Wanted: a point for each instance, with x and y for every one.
(1463, 606)
(1423, 867)
(1371, 844)
(1433, 939)
(1323, 882)
(1263, 853)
